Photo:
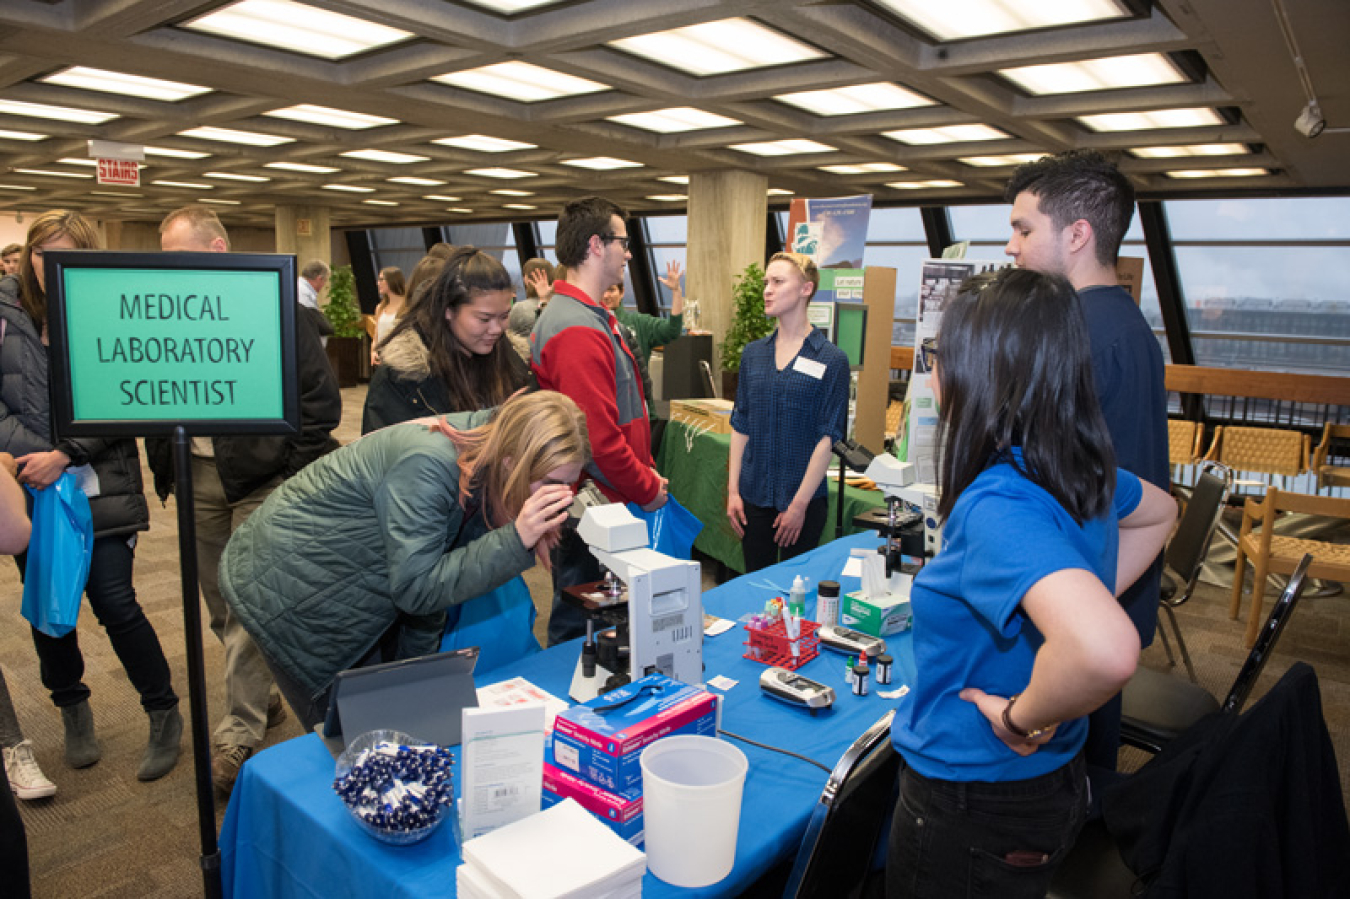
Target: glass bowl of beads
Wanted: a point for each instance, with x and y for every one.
(397, 788)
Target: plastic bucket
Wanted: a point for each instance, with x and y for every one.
(691, 808)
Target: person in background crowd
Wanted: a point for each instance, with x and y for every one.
(537, 275)
(441, 250)
(1016, 638)
(393, 530)
(652, 330)
(577, 350)
(393, 303)
(9, 259)
(110, 472)
(231, 476)
(1070, 212)
(313, 279)
(26, 779)
(448, 353)
(423, 274)
(14, 532)
(791, 408)
(613, 301)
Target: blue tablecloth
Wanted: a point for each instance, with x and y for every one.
(287, 835)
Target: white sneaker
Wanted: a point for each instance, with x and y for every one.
(25, 777)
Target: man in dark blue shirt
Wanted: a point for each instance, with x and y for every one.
(1070, 212)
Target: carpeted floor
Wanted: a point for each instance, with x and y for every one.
(104, 834)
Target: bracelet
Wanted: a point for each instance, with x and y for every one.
(1013, 728)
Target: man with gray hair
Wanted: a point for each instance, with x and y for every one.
(313, 279)
(231, 476)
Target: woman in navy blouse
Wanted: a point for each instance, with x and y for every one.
(791, 407)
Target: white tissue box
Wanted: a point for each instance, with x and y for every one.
(877, 616)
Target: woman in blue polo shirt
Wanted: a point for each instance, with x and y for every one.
(791, 407)
(1017, 632)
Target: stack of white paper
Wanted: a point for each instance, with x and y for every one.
(561, 853)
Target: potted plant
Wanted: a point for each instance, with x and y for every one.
(748, 322)
(347, 343)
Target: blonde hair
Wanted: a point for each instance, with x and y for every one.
(530, 436)
(49, 226)
(802, 263)
(206, 225)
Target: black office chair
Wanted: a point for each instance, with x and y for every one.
(1157, 707)
(847, 822)
(1188, 548)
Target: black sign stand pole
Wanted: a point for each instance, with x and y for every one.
(192, 635)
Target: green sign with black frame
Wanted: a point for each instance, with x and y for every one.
(206, 342)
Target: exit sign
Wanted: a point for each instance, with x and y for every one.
(126, 172)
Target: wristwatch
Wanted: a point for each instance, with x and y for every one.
(1013, 728)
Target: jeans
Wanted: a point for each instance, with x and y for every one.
(113, 600)
(758, 544)
(953, 839)
(573, 564)
(248, 682)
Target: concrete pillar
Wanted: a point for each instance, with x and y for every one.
(726, 233)
(304, 231)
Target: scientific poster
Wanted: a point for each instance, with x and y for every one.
(939, 282)
(832, 231)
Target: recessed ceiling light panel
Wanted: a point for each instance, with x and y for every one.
(854, 100)
(125, 85)
(987, 162)
(789, 147)
(483, 143)
(21, 135)
(977, 18)
(602, 163)
(235, 176)
(298, 28)
(1184, 150)
(174, 153)
(56, 113)
(385, 156)
(1155, 119)
(674, 120)
(522, 81)
(1218, 173)
(715, 48)
(332, 118)
(862, 168)
(232, 136)
(498, 172)
(1111, 73)
(950, 134)
(416, 182)
(923, 185)
(302, 167)
(349, 188)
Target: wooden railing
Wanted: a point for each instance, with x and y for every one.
(1269, 385)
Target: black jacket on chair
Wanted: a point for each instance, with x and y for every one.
(1240, 806)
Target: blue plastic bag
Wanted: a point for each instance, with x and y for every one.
(58, 556)
(500, 624)
(671, 529)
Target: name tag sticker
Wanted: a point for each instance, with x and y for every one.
(809, 367)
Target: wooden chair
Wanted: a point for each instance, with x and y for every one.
(1268, 451)
(1273, 553)
(1332, 475)
(1183, 443)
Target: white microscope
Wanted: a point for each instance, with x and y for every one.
(648, 608)
(909, 520)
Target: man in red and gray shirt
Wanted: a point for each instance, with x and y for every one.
(576, 349)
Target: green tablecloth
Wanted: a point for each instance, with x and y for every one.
(696, 465)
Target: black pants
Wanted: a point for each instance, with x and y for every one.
(952, 839)
(113, 600)
(758, 545)
(13, 844)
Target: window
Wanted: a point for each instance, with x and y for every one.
(1261, 281)
(896, 239)
(667, 239)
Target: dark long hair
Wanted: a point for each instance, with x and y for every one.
(473, 381)
(1015, 371)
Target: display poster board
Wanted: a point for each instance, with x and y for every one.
(144, 342)
(832, 231)
(939, 282)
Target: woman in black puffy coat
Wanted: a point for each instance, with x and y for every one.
(109, 472)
